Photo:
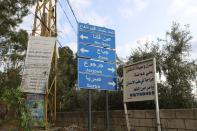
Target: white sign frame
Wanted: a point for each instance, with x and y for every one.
(139, 81)
(154, 96)
(38, 64)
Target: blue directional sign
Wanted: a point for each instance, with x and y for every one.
(96, 58)
(96, 39)
(96, 67)
(88, 81)
(96, 53)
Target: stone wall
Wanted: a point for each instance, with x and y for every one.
(140, 120)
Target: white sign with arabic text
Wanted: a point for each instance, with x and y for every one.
(139, 81)
(37, 64)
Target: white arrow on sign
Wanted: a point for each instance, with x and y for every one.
(84, 50)
(112, 83)
(83, 37)
(111, 69)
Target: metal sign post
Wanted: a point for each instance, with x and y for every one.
(107, 110)
(89, 111)
(127, 117)
(156, 98)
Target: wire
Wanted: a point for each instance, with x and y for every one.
(67, 17)
(59, 43)
(72, 11)
(69, 23)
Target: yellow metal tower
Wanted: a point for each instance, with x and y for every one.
(45, 20)
(45, 24)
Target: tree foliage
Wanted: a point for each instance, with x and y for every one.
(67, 76)
(11, 14)
(177, 67)
(13, 43)
(173, 63)
(16, 104)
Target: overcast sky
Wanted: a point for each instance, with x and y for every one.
(132, 20)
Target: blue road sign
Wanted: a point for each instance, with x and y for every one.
(88, 81)
(96, 67)
(96, 39)
(97, 57)
(96, 53)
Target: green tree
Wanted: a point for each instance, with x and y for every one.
(11, 14)
(17, 109)
(67, 76)
(174, 65)
(13, 40)
(178, 69)
(13, 43)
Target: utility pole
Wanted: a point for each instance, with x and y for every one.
(45, 24)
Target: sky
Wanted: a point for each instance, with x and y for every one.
(134, 21)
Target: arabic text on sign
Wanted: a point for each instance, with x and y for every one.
(138, 67)
(97, 82)
(97, 67)
(95, 28)
(96, 53)
(96, 39)
(139, 81)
